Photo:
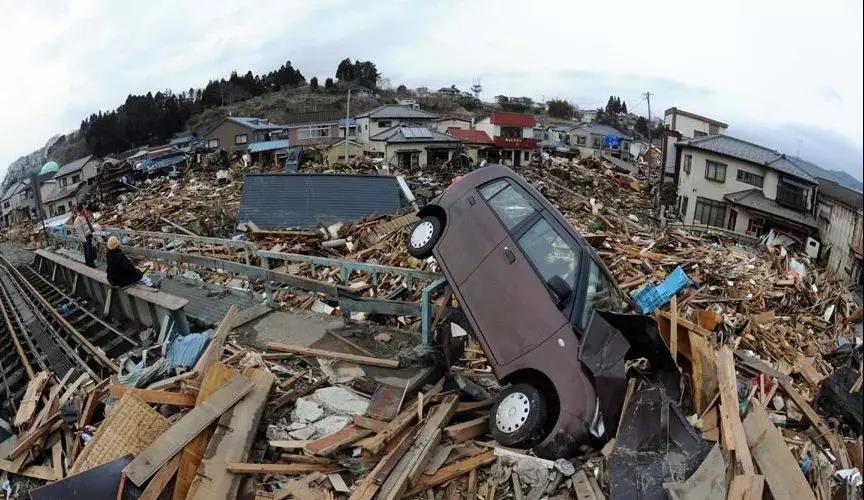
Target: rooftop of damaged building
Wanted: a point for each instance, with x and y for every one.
(753, 153)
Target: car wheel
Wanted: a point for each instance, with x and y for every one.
(519, 416)
(423, 236)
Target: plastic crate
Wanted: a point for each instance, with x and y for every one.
(651, 297)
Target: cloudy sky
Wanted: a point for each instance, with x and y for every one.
(787, 74)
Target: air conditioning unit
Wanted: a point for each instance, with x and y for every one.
(811, 248)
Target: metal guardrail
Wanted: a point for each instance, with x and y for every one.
(348, 301)
(247, 249)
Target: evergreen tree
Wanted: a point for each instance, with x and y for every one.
(328, 84)
(345, 70)
(313, 83)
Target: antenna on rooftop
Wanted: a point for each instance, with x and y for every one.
(476, 88)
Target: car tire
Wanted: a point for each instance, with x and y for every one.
(518, 416)
(423, 236)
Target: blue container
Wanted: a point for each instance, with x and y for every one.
(650, 297)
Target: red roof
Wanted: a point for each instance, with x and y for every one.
(472, 136)
(512, 119)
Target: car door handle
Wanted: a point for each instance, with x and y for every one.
(511, 257)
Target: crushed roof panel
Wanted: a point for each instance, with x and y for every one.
(306, 201)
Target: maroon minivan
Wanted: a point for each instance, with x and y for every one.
(529, 284)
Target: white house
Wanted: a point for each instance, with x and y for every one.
(512, 133)
(840, 216)
(682, 125)
(60, 194)
(385, 117)
(749, 189)
(410, 146)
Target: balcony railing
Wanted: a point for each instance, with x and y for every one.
(792, 197)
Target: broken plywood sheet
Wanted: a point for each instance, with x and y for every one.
(131, 426)
(31, 397)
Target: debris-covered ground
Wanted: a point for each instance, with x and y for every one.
(765, 340)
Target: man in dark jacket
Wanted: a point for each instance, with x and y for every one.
(121, 272)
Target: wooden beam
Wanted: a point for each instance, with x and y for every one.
(33, 436)
(232, 441)
(190, 425)
(161, 479)
(320, 353)
(217, 376)
(833, 441)
(155, 397)
(376, 443)
(369, 423)
(369, 485)
(289, 445)
(673, 328)
(27, 406)
(451, 471)
(247, 468)
(730, 416)
(339, 439)
(703, 361)
(776, 462)
(467, 430)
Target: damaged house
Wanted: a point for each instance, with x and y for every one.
(69, 185)
(840, 216)
(592, 139)
(18, 203)
(234, 133)
(748, 189)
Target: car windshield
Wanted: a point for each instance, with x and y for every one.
(601, 294)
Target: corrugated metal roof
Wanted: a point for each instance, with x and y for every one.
(305, 201)
(260, 147)
(185, 350)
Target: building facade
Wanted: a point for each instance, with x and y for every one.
(840, 215)
(18, 203)
(743, 187)
(512, 134)
(409, 146)
(594, 139)
(234, 133)
(383, 118)
(682, 125)
(318, 128)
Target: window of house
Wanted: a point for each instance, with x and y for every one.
(314, 132)
(76, 179)
(597, 142)
(684, 201)
(525, 155)
(715, 171)
(212, 143)
(749, 178)
(699, 133)
(6, 205)
(512, 132)
(580, 140)
(754, 226)
(383, 123)
(709, 212)
(550, 254)
(688, 163)
(511, 205)
(601, 294)
(241, 139)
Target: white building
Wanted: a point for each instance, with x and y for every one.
(749, 189)
(513, 135)
(682, 125)
(385, 117)
(840, 215)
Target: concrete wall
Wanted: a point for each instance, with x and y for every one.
(839, 231)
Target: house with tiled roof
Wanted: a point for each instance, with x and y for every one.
(412, 146)
(234, 133)
(377, 120)
(512, 134)
(744, 187)
(69, 185)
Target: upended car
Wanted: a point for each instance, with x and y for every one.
(542, 305)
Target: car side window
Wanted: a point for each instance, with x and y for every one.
(551, 255)
(601, 293)
(511, 206)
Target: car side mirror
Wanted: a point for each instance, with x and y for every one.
(560, 290)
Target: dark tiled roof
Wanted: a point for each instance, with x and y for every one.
(73, 166)
(600, 129)
(410, 134)
(397, 111)
(747, 151)
(834, 191)
(305, 201)
(754, 199)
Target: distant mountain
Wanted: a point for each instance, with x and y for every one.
(837, 176)
(29, 164)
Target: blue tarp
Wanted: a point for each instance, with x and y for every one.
(611, 141)
(185, 350)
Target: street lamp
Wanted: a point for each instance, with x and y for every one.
(348, 115)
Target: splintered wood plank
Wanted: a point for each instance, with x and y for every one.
(467, 430)
(27, 407)
(155, 397)
(776, 462)
(247, 468)
(451, 471)
(369, 423)
(217, 375)
(57, 459)
(321, 353)
(213, 353)
(161, 479)
(185, 429)
(232, 441)
(339, 439)
(673, 327)
(704, 371)
(730, 417)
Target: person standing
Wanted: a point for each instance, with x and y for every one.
(83, 229)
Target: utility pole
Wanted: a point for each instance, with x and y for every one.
(347, 119)
(648, 98)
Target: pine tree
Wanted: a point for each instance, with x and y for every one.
(313, 83)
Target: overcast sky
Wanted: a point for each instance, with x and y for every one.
(785, 73)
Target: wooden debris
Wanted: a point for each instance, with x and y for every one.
(320, 353)
(157, 397)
